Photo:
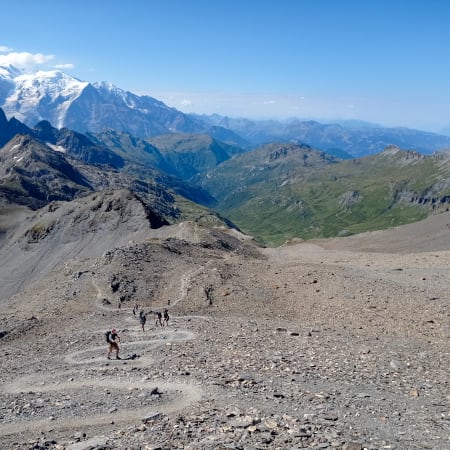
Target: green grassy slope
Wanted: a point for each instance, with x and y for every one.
(328, 198)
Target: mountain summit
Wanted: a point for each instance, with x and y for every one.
(65, 101)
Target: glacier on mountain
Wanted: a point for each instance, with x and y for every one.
(67, 102)
(43, 95)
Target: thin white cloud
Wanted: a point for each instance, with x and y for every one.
(260, 105)
(64, 66)
(5, 49)
(25, 59)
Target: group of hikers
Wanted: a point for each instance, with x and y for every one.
(161, 319)
(113, 338)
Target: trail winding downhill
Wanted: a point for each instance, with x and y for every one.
(136, 397)
(97, 354)
(99, 408)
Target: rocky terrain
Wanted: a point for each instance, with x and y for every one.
(339, 343)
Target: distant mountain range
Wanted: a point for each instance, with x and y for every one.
(345, 140)
(62, 140)
(277, 192)
(65, 101)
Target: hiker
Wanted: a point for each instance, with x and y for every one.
(158, 318)
(143, 319)
(113, 340)
(166, 317)
(209, 291)
(135, 308)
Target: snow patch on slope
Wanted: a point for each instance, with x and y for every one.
(56, 148)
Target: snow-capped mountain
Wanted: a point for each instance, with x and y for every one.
(82, 106)
(67, 102)
(42, 95)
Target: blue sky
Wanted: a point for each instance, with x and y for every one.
(381, 61)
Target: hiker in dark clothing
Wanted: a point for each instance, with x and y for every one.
(166, 317)
(158, 318)
(113, 340)
(143, 319)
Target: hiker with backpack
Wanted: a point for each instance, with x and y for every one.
(113, 339)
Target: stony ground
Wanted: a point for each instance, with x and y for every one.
(312, 345)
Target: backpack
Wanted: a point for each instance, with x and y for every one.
(107, 335)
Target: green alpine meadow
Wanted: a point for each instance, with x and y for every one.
(283, 192)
